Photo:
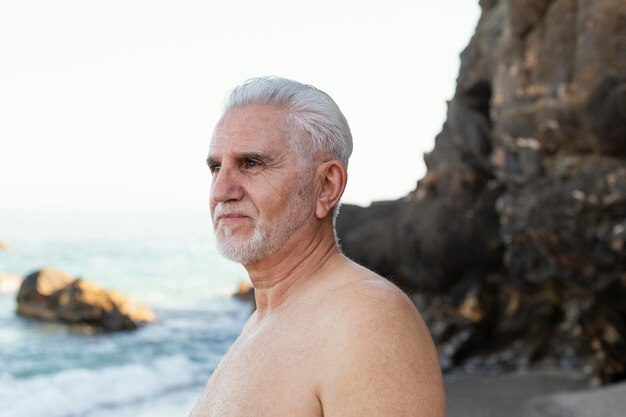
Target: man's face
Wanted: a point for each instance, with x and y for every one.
(260, 193)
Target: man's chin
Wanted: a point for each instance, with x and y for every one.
(230, 240)
(233, 232)
(244, 248)
(243, 254)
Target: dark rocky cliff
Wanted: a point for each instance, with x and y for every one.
(513, 245)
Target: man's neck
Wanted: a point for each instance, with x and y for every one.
(288, 272)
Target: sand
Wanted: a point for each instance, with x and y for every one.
(533, 394)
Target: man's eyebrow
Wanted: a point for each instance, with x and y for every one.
(243, 156)
(255, 155)
(211, 161)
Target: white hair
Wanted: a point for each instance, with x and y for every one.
(309, 113)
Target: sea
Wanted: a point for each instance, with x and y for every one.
(167, 262)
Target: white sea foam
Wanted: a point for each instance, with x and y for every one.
(176, 404)
(81, 392)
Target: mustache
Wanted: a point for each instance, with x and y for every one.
(226, 209)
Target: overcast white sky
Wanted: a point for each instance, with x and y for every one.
(110, 104)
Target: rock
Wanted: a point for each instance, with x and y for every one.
(53, 295)
(245, 292)
(514, 242)
(606, 112)
(9, 283)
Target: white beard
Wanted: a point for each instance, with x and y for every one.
(266, 238)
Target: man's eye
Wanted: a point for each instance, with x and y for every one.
(250, 163)
(214, 168)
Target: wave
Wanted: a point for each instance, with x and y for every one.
(83, 392)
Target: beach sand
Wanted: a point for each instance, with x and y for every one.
(532, 394)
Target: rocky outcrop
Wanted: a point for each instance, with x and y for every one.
(245, 292)
(53, 295)
(514, 243)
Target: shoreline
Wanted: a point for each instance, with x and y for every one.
(532, 393)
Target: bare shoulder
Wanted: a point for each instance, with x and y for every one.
(380, 358)
(370, 299)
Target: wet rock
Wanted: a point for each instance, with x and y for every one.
(53, 295)
(245, 292)
(513, 245)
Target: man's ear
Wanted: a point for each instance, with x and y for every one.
(332, 177)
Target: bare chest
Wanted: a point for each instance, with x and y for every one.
(270, 372)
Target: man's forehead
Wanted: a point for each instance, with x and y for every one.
(251, 128)
(252, 117)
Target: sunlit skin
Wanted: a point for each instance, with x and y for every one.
(329, 337)
(254, 174)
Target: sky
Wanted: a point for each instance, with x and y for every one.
(110, 105)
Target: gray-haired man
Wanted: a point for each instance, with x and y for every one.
(329, 337)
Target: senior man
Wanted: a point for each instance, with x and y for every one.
(329, 337)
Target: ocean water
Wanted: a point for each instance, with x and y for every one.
(166, 261)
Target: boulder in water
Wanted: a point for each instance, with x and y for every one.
(53, 295)
(245, 292)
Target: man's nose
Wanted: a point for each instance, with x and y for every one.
(226, 185)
